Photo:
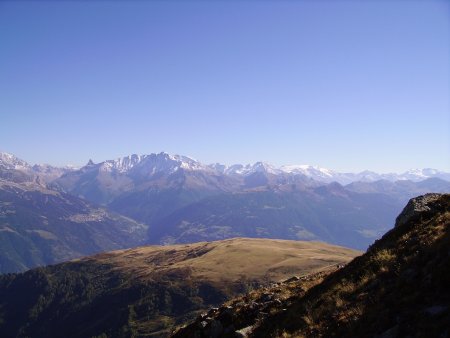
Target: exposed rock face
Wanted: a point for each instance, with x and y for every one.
(417, 206)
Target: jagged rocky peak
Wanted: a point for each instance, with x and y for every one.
(417, 206)
(122, 164)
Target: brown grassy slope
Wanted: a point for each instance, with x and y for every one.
(399, 288)
(223, 262)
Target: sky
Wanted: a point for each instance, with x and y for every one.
(346, 85)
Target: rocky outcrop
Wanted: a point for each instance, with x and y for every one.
(416, 207)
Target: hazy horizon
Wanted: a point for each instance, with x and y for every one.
(349, 86)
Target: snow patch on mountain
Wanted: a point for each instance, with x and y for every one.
(309, 170)
(9, 161)
(245, 170)
(150, 164)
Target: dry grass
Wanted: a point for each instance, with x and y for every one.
(230, 260)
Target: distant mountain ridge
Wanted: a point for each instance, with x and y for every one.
(164, 162)
(10, 163)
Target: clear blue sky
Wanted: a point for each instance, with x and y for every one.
(345, 85)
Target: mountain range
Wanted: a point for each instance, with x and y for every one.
(163, 162)
(170, 199)
(183, 200)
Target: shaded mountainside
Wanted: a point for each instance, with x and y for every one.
(40, 226)
(330, 213)
(398, 288)
(148, 290)
(349, 216)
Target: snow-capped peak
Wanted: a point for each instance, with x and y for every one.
(265, 167)
(422, 174)
(9, 161)
(121, 165)
(244, 170)
(308, 170)
(164, 161)
(150, 164)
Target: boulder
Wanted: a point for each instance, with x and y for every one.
(416, 207)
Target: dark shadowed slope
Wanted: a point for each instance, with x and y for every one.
(328, 213)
